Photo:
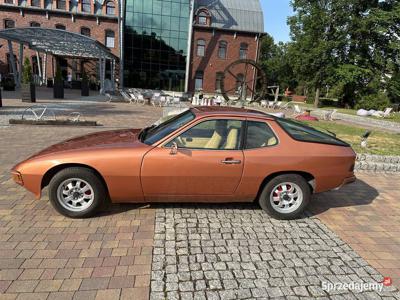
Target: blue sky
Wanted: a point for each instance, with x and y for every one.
(275, 16)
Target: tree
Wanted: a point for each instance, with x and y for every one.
(27, 72)
(311, 52)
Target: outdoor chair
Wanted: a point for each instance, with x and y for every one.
(297, 111)
(126, 96)
(278, 105)
(329, 116)
(387, 112)
(264, 103)
(271, 104)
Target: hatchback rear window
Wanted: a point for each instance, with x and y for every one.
(305, 133)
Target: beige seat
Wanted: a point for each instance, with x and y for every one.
(232, 139)
(214, 142)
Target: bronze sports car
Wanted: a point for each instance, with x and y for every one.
(205, 154)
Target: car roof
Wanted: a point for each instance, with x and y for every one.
(229, 111)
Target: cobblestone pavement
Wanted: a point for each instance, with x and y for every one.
(238, 252)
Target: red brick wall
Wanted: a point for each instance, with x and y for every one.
(97, 30)
(211, 63)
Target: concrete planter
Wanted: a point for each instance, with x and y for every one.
(28, 92)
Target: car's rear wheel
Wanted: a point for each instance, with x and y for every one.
(77, 192)
(285, 197)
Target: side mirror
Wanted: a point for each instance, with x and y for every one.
(174, 149)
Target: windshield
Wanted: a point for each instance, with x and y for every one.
(305, 133)
(155, 133)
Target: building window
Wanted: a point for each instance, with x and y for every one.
(110, 39)
(60, 26)
(86, 6)
(199, 80)
(85, 31)
(9, 23)
(9, 1)
(61, 4)
(243, 50)
(201, 47)
(203, 18)
(47, 4)
(222, 49)
(110, 8)
(34, 24)
(218, 82)
(35, 3)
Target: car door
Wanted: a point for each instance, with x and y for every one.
(208, 161)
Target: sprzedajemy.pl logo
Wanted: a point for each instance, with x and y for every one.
(356, 286)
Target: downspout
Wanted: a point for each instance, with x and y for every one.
(189, 46)
(255, 70)
(121, 17)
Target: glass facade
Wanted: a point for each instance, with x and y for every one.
(155, 43)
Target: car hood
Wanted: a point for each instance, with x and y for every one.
(105, 139)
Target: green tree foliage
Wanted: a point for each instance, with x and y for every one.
(350, 48)
(27, 72)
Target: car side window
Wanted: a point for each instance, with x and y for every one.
(259, 135)
(213, 135)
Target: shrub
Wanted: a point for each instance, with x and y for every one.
(27, 72)
(377, 101)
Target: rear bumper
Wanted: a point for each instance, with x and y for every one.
(346, 181)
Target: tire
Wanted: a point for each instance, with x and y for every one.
(289, 204)
(77, 192)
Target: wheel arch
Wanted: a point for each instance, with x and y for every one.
(306, 175)
(54, 170)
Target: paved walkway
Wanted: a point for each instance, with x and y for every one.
(218, 252)
(366, 216)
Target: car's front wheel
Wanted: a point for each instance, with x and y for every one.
(77, 192)
(285, 197)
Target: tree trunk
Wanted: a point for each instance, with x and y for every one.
(316, 101)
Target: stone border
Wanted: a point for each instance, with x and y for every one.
(52, 122)
(378, 163)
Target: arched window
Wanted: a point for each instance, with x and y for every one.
(218, 81)
(34, 24)
(60, 26)
(110, 8)
(222, 49)
(85, 31)
(61, 4)
(110, 39)
(203, 18)
(199, 80)
(201, 48)
(35, 3)
(86, 6)
(9, 23)
(243, 50)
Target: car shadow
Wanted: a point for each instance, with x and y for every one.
(358, 193)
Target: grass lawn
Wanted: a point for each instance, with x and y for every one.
(379, 142)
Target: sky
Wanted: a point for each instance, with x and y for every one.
(275, 16)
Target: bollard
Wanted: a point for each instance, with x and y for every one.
(1, 101)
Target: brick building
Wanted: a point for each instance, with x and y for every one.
(176, 45)
(223, 32)
(96, 19)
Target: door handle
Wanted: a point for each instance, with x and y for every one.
(231, 162)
